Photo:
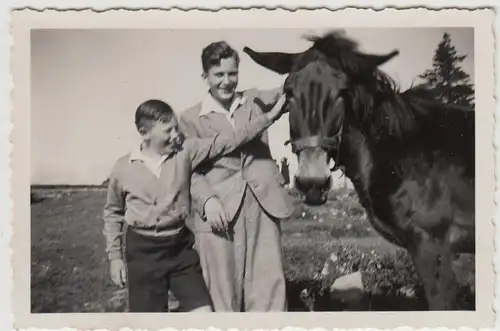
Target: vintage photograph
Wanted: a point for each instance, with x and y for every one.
(257, 170)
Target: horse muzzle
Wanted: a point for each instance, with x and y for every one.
(314, 189)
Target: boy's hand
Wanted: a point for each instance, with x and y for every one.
(118, 272)
(216, 215)
(277, 110)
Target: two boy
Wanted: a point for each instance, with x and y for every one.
(148, 201)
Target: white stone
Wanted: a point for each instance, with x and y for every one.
(348, 282)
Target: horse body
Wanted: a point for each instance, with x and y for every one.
(418, 190)
(409, 157)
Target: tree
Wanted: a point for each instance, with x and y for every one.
(447, 78)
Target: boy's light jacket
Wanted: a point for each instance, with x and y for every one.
(251, 164)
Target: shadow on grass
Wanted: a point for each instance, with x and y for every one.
(307, 296)
(36, 198)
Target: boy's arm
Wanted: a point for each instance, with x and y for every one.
(201, 190)
(225, 142)
(114, 213)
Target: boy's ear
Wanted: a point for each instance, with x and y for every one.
(143, 132)
(204, 75)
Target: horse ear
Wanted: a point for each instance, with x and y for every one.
(280, 63)
(370, 62)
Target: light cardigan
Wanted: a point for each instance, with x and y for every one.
(155, 206)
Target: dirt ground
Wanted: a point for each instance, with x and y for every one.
(69, 268)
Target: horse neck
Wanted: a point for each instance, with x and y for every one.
(356, 156)
(370, 160)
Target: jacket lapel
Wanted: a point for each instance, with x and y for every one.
(214, 123)
(241, 117)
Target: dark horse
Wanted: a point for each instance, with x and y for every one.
(410, 157)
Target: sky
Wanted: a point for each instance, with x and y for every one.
(87, 84)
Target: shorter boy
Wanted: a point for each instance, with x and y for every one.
(149, 193)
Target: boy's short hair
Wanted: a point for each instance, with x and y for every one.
(215, 52)
(152, 111)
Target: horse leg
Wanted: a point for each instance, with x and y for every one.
(433, 259)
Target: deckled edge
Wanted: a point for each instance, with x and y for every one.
(6, 125)
(496, 145)
(6, 203)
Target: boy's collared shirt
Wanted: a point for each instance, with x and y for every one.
(156, 202)
(153, 165)
(209, 105)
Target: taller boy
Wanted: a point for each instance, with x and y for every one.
(238, 198)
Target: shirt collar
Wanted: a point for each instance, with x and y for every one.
(209, 104)
(138, 155)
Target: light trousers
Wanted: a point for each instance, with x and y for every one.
(244, 269)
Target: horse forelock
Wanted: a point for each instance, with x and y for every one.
(341, 52)
(333, 42)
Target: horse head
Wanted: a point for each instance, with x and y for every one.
(317, 89)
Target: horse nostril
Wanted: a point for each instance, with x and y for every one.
(323, 184)
(313, 184)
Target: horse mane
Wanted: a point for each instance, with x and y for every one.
(376, 98)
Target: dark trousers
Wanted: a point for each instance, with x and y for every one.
(156, 265)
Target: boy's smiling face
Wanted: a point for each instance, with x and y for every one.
(223, 79)
(163, 137)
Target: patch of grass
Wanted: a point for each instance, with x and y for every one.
(69, 266)
(70, 270)
(340, 216)
(386, 269)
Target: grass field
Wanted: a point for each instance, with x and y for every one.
(69, 268)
